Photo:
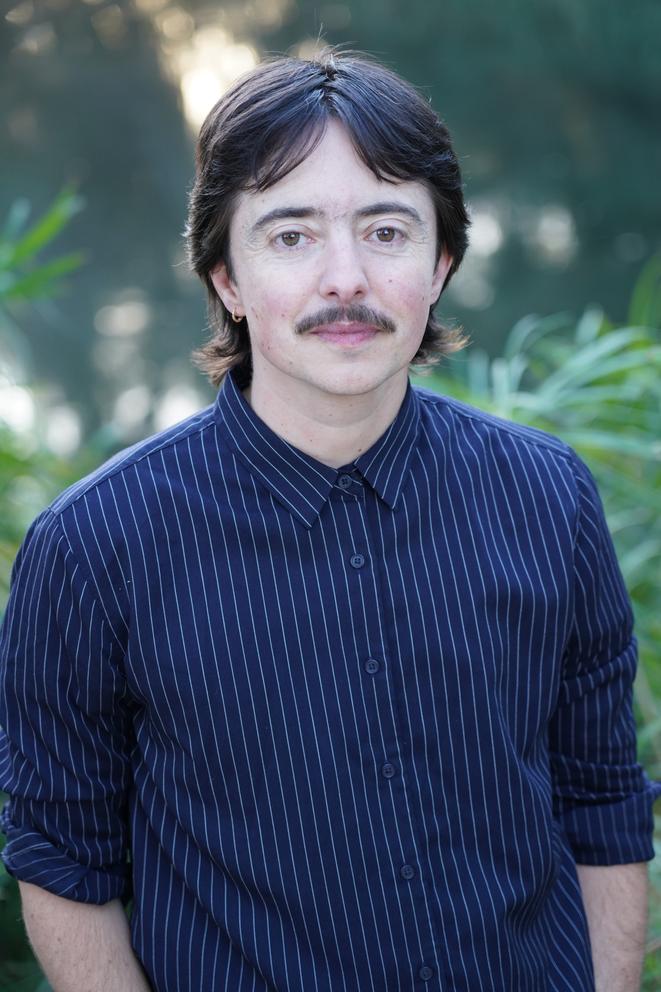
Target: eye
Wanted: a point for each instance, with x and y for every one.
(290, 239)
(386, 235)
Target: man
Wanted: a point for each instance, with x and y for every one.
(345, 665)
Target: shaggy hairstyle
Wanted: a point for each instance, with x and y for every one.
(268, 123)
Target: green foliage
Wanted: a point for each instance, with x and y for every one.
(20, 277)
(30, 476)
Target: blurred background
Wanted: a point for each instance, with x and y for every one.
(555, 109)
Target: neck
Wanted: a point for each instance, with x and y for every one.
(334, 429)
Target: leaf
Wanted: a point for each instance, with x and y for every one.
(639, 557)
(595, 364)
(645, 308)
(646, 449)
(42, 281)
(478, 372)
(17, 217)
(527, 331)
(649, 731)
(589, 325)
(66, 205)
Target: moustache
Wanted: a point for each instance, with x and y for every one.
(356, 313)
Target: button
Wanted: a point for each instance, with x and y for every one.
(372, 666)
(357, 560)
(407, 871)
(426, 973)
(388, 770)
(344, 481)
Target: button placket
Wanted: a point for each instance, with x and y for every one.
(384, 749)
(389, 774)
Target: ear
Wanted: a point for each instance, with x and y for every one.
(227, 289)
(440, 275)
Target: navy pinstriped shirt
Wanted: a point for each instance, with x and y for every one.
(354, 726)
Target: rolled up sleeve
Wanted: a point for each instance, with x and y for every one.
(602, 796)
(65, 726)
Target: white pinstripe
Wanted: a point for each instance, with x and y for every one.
(187, 635)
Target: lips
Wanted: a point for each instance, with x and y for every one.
(346, 334)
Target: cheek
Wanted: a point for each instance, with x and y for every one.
(273, 304)
(409, 292)
(414, 298)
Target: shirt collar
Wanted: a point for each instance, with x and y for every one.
(299, 481)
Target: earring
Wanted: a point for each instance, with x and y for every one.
(235, 317)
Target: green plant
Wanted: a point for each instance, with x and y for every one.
(21, 277)
(29, 476)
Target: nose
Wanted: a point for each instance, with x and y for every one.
(343, 278)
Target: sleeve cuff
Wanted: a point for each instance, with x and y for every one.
(612, 832)
(30, 857)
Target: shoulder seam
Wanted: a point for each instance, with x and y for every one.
(536, 437)
(89, 579)
(74, 497)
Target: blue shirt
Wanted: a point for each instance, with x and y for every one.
(355, 727)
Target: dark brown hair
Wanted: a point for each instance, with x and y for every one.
(268, 122)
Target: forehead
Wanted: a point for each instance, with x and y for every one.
(334, 181)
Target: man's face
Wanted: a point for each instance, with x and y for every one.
(335, 272)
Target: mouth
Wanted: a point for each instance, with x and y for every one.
(346, 334)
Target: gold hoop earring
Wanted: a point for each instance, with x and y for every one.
(235, 317)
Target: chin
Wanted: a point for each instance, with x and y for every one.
(351, 385)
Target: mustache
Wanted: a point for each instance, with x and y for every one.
(354, 313)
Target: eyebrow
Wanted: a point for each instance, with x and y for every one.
(391, 207)
(372, 210)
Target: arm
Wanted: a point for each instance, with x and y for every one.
(65, 740)
(81, 947)
(602, 798)
(615, 900)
